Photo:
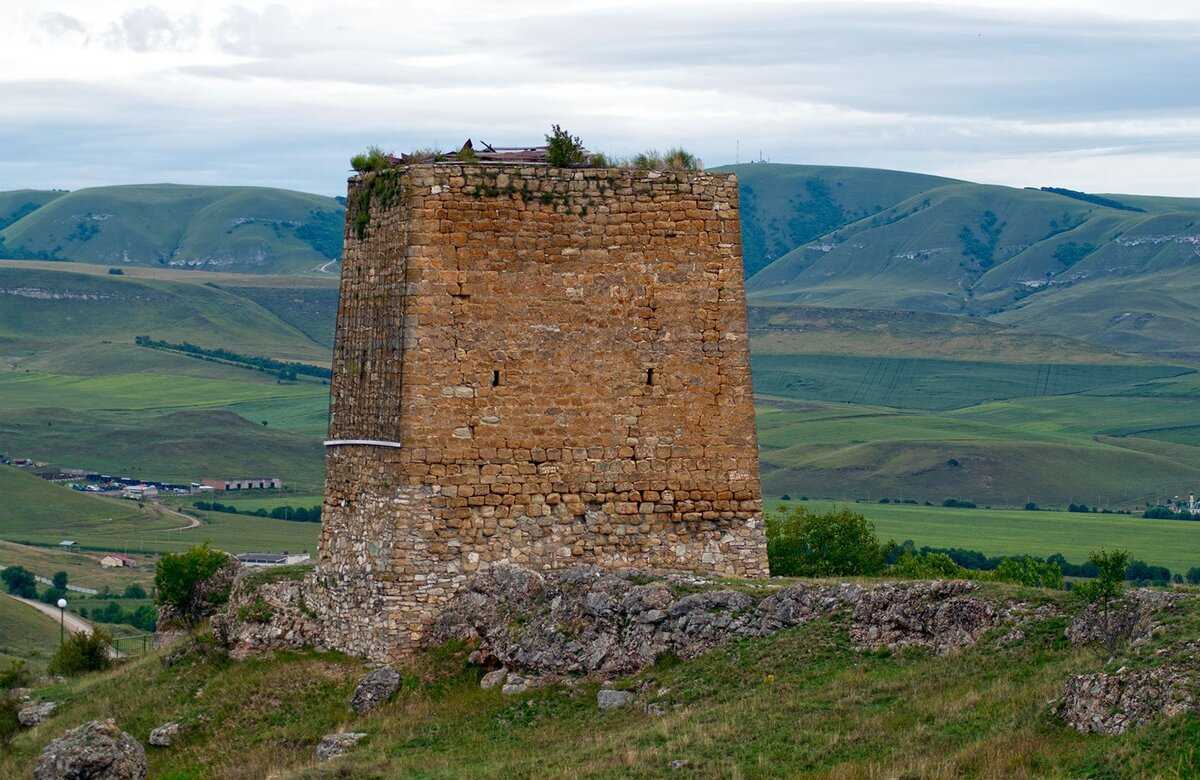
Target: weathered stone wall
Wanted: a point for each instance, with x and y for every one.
(561, 356)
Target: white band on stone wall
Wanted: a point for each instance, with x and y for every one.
(368, 442)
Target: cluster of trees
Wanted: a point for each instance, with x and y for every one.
(959, 503)
(1087, 197)
(1166, 513)
(19, 581)
(144, 617)
(270, 365)
(296, 513)
(802, 543)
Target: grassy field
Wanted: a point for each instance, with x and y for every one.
(1171, 543)
(994, 433)
(915, 383)
(82, 568)
(802, 703)
(26, 634)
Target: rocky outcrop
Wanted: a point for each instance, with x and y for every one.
(267, 611)
(1112, 703)
(941, 616)
(375, 689)
(34, 713)
(584, 620)
(339, 744)
(97, 750)
(1128, 619)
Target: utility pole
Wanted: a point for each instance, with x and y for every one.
(62, 631)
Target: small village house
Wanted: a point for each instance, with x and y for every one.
(116, 561)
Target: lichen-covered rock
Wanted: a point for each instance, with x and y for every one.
(34, 713)
(334, 745)
(97, 750)
(939, 615)
(1129, 619)
(375, 689)
(493, 678)
(210, 595)
(164, 735)
(268, 611)
(1113, 703)
(585, 620)
(608, 699)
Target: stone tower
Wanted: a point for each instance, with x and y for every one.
(537, 365)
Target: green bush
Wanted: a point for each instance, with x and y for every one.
(9, 725)
(801, 543)
(563, 149)
(1025, 570)
(180, 580)
(1193, 575)
(134, 591)
(15, 675)
(926, 566)
(374, 159)
(51, 595)
(83, 652)
(680, 159)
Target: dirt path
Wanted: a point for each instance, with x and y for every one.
(192, 522)
(73, 622)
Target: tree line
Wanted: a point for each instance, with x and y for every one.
(282, 369)
(295, 513)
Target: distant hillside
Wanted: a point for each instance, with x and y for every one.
(246, 229)
(1128, 262)
(784, 206)
(16, 204)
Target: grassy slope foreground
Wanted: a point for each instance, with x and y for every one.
(801, 703)
(251, 229)
(25, 634)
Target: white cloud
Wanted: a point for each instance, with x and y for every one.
(1074, 93)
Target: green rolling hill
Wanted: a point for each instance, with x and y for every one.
(1120, 271)
(785, 206)
(245, 229)
(17, 204)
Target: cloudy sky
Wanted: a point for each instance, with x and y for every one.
(1101, 95)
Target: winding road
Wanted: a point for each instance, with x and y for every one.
(73, 622)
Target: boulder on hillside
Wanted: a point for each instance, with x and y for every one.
(1113, 703)
(164, 735)
(375, 689)
(97, 750)
(34, 713)
(334, 745)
